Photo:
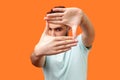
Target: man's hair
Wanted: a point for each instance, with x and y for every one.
(51, 11)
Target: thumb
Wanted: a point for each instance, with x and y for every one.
(74, 30)
(46, 28)
(45, 32)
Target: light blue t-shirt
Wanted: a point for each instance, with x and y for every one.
(70, 65)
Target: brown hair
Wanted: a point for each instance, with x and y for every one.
(51, 11)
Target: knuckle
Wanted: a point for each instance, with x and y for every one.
(63, 46)
(54, 44)
(65, 42)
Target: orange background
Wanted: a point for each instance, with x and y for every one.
(21, 25)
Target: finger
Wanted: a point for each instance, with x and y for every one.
(63, 50)
(59, 51)
(55, 22)
(62, 38)
(55, 15)
(45, 31)
(65, 46)
(59, 9)
(53, 18)
(65, 42)
(74, 29)
(47, 27)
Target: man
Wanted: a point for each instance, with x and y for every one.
(63, 57)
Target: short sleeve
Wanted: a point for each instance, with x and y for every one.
(81, 45)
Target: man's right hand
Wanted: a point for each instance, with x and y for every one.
(49, 45)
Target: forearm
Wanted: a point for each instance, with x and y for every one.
(37, 61)
(88, 32)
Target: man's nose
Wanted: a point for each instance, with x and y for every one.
(53, 33)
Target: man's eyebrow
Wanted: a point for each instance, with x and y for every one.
(61, 27)
(58, 28)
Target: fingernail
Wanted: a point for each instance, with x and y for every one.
(45, 17)
(53, 9)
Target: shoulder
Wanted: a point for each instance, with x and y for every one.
(81, 44)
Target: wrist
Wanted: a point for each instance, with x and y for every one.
(38, 51)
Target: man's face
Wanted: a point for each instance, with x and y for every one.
(57, 30)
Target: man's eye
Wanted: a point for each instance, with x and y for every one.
(58, 29)
(50, 29)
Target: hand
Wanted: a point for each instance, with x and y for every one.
(70, 16)
(49, 45)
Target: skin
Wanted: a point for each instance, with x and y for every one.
(56, 41)
(53, 41)
(57, 30)
(74, 17)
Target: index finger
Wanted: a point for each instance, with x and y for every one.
(59, 38)
(59, 9)
(55, 15)
(74, 29)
